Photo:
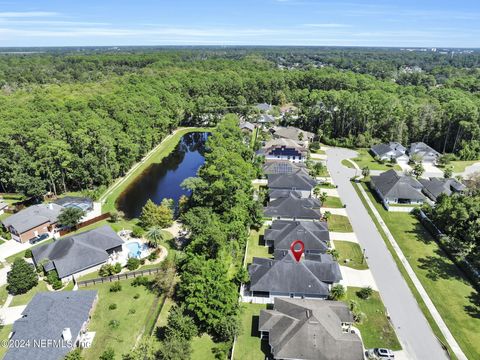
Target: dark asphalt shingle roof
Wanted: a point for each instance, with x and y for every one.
(310, 329)
(422, 149)
(33, 216)
(45, 317)
(382, 149)
(293, 133)
(286, 275)
(393, 185)
(78, 252)
(247, 125)
(295, 181)
(264, 107)
(433, 187)
(294, 207)
(314, 234)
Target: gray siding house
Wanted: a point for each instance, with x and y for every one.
(394, 188)
(299, 182)
(424, 152)
(388, 151)
(434, 187)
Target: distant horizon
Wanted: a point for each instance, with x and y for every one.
(343, 23)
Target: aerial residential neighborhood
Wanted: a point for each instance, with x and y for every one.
(218, 180)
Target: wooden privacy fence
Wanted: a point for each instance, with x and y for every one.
(85, 223)
(118, 277)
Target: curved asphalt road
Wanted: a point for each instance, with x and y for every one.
(412, 328)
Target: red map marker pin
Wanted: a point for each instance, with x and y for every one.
(297, 253)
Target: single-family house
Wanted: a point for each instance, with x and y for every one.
(292, 133)
(300, 182)
(78, 254)
(33, 221)
(286, 277)
(265, 119)
(395, 188)
(52, 325)
(314, 235)
(310, 329)
(389, 151)
(433, 187)
(293, 207)
(283, 167)
(264, 107)
(423, 152)
(284, 149)
(246, 126)
(3, 207)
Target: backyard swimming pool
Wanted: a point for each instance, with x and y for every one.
(135, 249)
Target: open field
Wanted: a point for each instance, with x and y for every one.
(351, 251)
(339, 223)
(453, 296)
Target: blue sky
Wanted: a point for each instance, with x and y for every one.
(407, 23)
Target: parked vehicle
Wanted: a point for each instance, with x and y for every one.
(380, 354)
(38, 238)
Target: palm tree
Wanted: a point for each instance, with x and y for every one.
(337, 292)
(323, 197)
(317, 190)
(155, 236)
(326, 215)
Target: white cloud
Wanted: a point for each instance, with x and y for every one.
(26, 14)
(327, 25)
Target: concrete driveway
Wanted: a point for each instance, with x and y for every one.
(358, 278)
(11, 314)
(412, 328)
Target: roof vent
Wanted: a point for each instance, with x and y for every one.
(67, 334)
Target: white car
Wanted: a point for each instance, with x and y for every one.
(380, 354)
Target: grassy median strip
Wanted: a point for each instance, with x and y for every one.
(451, 293)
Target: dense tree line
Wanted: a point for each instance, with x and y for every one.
(72, 122)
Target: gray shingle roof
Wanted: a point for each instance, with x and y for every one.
(295, 181)
(78, 252)
(286, 275)
(282, 193)
(265, 118)
(314, 234)
(422, 149)
(433, 187)
(310, 329)
(247, 125)
(264, 107)
(283, 167)
(393, 185)
(45, 317)
(383, 149)
(33, 216)
(290, 132)
(294, 207)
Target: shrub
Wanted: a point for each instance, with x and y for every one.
(112, 306)
(137, 232)
(133, 263)
(117, 268)
(21, 278)
(28, 253)
(116, 216)
(337, 292)
(108, 354)
(113, 324)
(116, 287)
(365, 293)
(131, 311)
(105, 270)
(141, 280)
(142, 261)
(153, 256)
(136, 296)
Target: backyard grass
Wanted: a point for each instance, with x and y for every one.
(3, 294)
(376, 329)
(24, 299)
(165, 148)
(461, 165)
(453, 296)
(255, 246)
(4, 332)
(202, 347)
(351, 251)
(364, 158)
(339, 223)
(130, 326)
(333, 202)
(248, 345)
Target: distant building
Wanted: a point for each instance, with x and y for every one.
(293, 207)
(394, 188)
(392, 150)
(310, 329)
(314, 234)
(33, 221)
(264, 107)
(434, 187)
(265, 119)
(285, 277)
(58, 320)
(79, 253)
(284, 149)
(292, 133)
(424, 152)
(247, 126)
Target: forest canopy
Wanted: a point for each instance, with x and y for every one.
(78, 121)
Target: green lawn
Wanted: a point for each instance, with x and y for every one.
(248, 345)
(376, 330)
(347, 164)
(339, 223)
(4, 332)
(333, 202)
(163, 150)
(351, 251)
(3, 294)
(202, 347)
(364, 158)
(326, 186)
(24, 299)
(460, 165)
(255, 248)
(122, 338)
(454, 297)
